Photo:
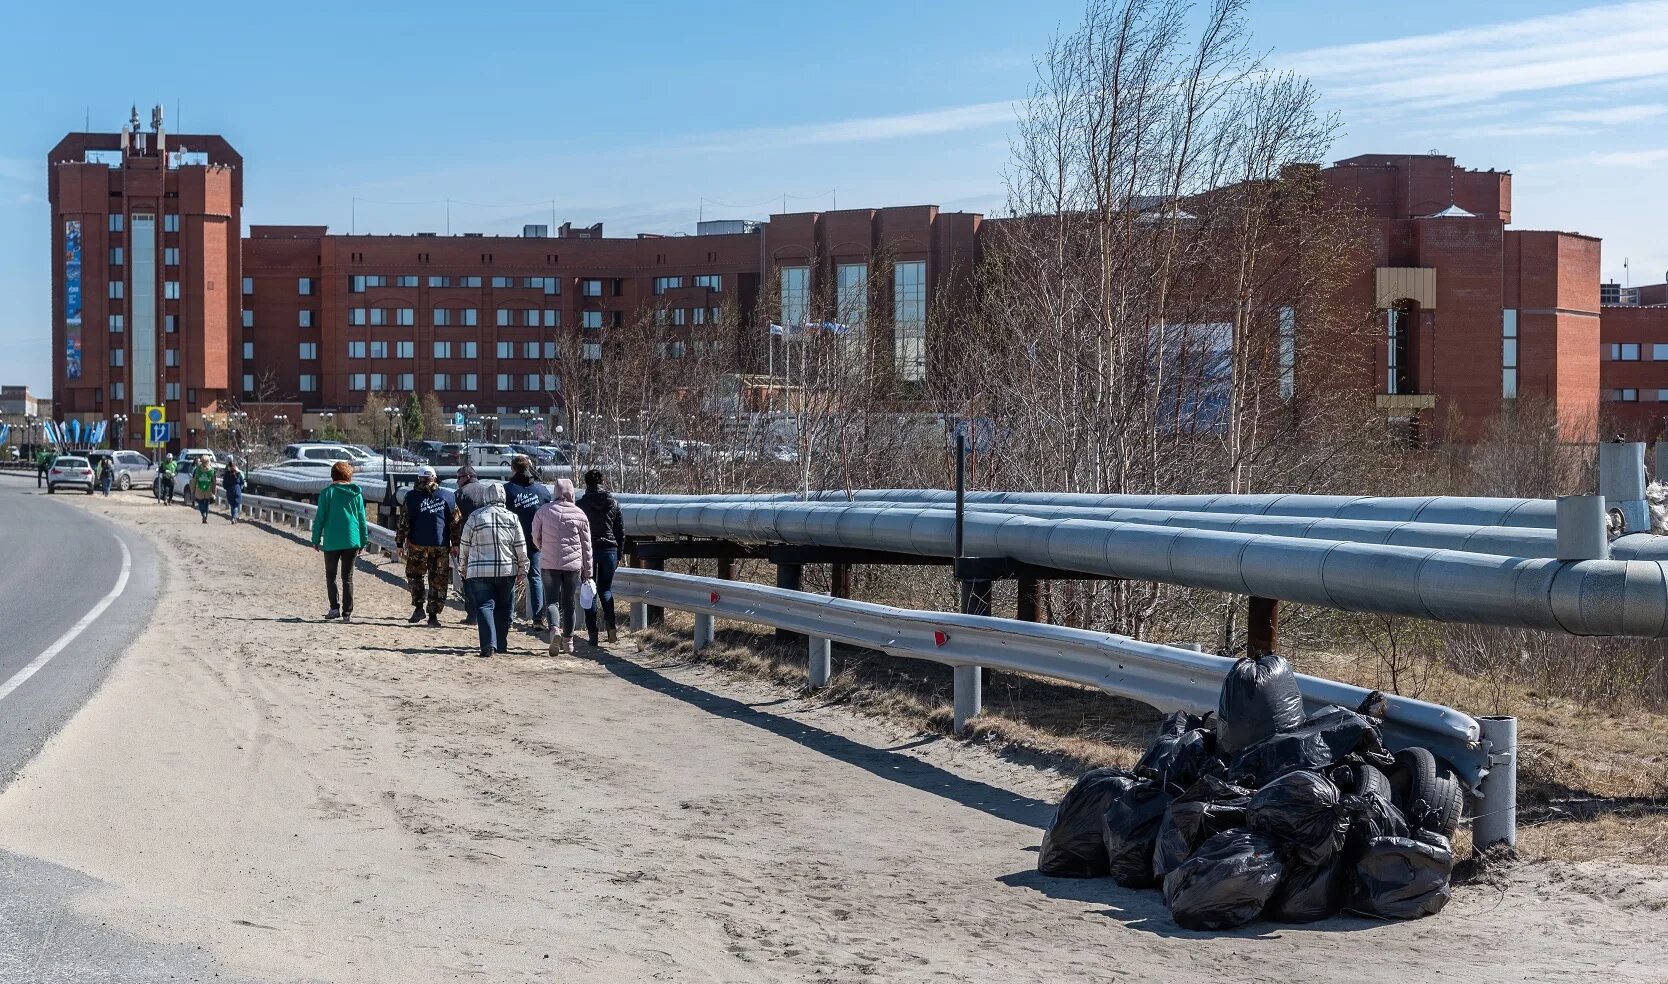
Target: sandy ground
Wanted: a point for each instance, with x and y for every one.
(307, 801)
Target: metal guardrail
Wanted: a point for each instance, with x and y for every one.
(1482, 752)
(300, 515)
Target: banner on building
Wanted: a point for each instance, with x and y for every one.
(72, 299)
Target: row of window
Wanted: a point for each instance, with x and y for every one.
(1631, 352)
(442, 350)
(686, 316)
(170, 290)
(710, 281)
(909, 307)
(170, 223)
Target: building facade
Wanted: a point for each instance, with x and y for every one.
(146, 232)
(158, 300)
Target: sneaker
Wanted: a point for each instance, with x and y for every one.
(555, 643)
(205, 520)
(485, 653)
(416, 614)
(347, 616)
(334, 613)
(434, 621)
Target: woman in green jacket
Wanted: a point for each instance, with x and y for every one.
(339, 531)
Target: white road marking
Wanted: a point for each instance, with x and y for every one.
(18, 678)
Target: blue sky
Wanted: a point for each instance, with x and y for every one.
(647, 115)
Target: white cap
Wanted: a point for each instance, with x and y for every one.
(426, 471)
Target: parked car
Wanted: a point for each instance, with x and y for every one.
(448, 454)
(490, 455)
(72, 471)
(400, 456)
(541, 456)
(132, 468)
(426, 450)
(308, 451)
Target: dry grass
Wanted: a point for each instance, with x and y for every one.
(1592, 782)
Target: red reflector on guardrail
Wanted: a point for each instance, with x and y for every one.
(713, 597)
(940, 638)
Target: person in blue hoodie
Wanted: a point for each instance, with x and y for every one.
(524, 494)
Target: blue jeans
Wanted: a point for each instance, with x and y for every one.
(104, 484)
(535, 584)
(604, 563)
(234, 503)
(202, 506)
(494, 601)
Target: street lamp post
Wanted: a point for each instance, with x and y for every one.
(120, 420)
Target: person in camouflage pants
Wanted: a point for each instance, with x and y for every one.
(427, 532)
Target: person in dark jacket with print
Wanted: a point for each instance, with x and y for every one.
(523, 495)
(428, 535)
(607, 540)
(471, 495)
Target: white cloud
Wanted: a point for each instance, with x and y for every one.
(1607, 44)
(1631, 158)
(1609, 115)
(952, 119)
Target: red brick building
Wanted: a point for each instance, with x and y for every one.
(146, 230)
(155, 303)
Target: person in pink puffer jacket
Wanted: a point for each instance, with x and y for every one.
(562, 535)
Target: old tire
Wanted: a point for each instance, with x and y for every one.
(1449, 806)
(1369, 780)
(1413, 779)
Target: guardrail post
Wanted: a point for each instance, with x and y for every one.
(969, 680)
(1030, 600)
(1262, 626)
(790, 576)
(654, 614)
(821, 664)
(1496, 820)
(703, 630)
(639, 616)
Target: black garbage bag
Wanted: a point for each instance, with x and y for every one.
(1178, 757)
(1226, 883)
(1259, 698)
(1129, 831)
(1072, 845)
(1371, 816)
(1208, 807)
(1303, 813)
(1404, 877)
(1320, 742)
(1309, 893)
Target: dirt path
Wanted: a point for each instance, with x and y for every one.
(310, 801)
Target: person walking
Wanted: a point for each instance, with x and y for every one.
(471, 495)
(607, 540)
(428, 534)
(493, 554)
(562, 535)
(43, 465)
(106, 475)
(232, 484)
(165, 478)
(339, 531)
(201, 485)
(524, 494)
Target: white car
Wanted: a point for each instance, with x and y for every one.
(490, 455)
(67, 470)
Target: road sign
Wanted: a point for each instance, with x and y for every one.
(457, 419)
(156, 435)
(155, 415)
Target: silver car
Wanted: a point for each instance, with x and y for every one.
(68, 470)
(132, 468)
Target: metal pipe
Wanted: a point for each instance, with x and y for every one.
(1616, 598)
(1495, 820)
(1622, 483)
(703, 631)
(1581, 528)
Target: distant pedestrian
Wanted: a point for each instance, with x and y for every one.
(523, 495)
(493, 554)
(339, 530)
(200, 488)
(563, 536)
(607, 539)
(232, 484)
(43, 465)
(428, 533)
(106, 475)
(165, 478)
(471, 495)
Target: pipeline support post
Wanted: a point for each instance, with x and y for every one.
(726, 568)
(1030, 599)
(1495, 822)
(1262, 626)
(703, 630)
(791, 577)
(839, 580)
(1622, 483)
(655, 614)
(821, 663)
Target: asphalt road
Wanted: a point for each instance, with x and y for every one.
(58, 566)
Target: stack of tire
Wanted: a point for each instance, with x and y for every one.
(1263, 811)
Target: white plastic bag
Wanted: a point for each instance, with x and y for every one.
(587, 594)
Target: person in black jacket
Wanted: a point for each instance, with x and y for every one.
(524, 494)
(607, 538)
(428, 535)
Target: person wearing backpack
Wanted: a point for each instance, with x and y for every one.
(339, 531)
(524, 494)
(607, 540)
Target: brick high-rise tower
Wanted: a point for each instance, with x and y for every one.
(146, 228)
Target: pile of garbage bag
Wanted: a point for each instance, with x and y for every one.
(1262, 810)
